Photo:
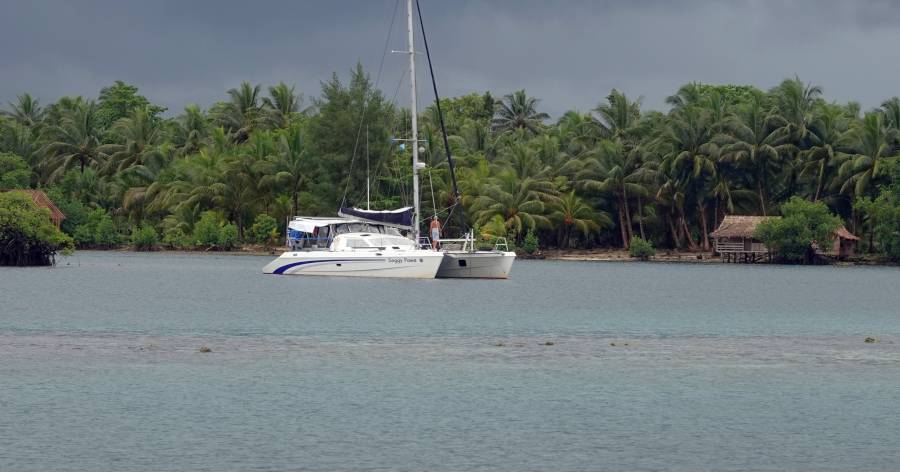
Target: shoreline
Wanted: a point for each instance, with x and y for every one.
(621, 255)
(576, 255)
(700, 257)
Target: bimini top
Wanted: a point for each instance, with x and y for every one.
(307, 224)
(400, 218)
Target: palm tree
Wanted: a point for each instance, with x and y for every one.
(827, 136)
(752, 144)
(190, 129)
(145, 182)
(872, 139)
(618, 116)
(242, 113)
(570, 213)
(688, 95)
(140, 137)
(195, 177)
(289, 166)
(26, 111)
(891, 110)
(75, 141)
(282, 104)
(524, 161)
(578, 133)
(236, 189)
(518, 111)
(796, 102)
(20, 140)
(517, 201)
(473, 180)
(690, 164)
(619, 172)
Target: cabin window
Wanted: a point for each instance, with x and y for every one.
(354, 242)
(394, 241)
(462, 262)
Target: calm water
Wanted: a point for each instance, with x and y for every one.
(651, 367)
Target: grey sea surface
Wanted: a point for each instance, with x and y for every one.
(565, 366)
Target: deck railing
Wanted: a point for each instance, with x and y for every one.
(731, 247)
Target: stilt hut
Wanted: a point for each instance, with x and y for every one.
(844, 244)
(734, 240)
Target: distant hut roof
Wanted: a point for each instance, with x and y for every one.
(842, 233)
(734, 226)
(42, 200)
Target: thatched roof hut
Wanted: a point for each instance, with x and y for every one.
(42, 200)
(844, 244)
(734, 237)
(734, 226)
(734, 240)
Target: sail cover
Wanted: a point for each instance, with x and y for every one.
(400, 218)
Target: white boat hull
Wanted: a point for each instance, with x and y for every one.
(476, 265)
(418, 264)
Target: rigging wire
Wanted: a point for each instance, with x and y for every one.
(366, 101)
(433, 202)
(384, 169)
(437, 102)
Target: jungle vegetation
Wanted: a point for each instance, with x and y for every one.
(123, 168)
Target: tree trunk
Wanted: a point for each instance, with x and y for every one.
(622, 228)
(871, 248)
(762, 199)
(627, 213)
(703, 226)
(687, 231)
(240, 222)
(716, 214)
(676, 238)
(819, 181)
(641, 216)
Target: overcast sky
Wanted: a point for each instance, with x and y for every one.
(567, 53)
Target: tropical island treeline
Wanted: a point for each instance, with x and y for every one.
(122, 171)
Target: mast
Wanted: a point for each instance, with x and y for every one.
(367, 167)
(414, 139)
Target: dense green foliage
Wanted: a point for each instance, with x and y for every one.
(14, 172)
(641, 249)
(265, 229)
(601, 178)
(882, 216)
(804, 225)
(97, 230)
(27, 237)
(530, 243)
(144, 238)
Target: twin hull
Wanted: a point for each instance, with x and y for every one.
(476, 265)
(406, 264)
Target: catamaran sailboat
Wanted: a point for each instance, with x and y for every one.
(352, 247)
(370, 243)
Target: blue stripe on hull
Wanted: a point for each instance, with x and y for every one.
(283, 268)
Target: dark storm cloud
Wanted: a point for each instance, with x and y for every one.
(570, 54)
